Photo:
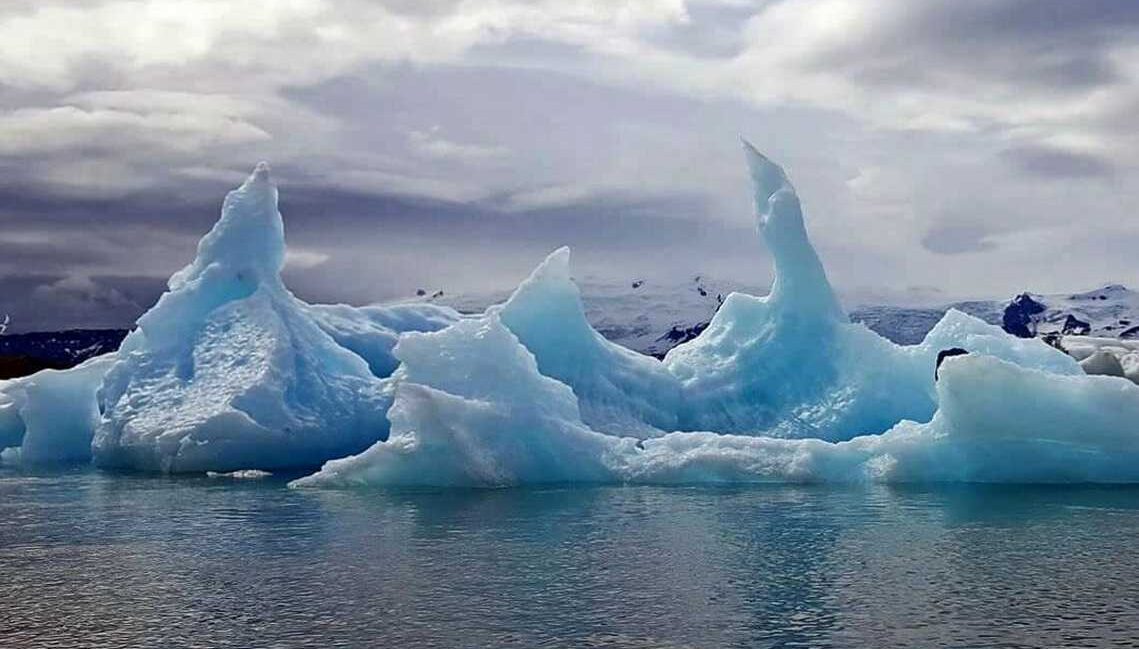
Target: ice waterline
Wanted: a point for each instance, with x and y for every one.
(229, 371)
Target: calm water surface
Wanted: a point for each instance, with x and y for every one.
(97, 560)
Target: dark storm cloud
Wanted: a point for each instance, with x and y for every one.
(442, 142)
(160, 208)
(45, 255)
(1047, 44)
(957, 238)
(366, 237)
(54, 302)
(1051, 162)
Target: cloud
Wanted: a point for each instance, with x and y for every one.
(68, 128)
(432, 144)
(54, 302)
(416, 140)
(300, 259)
(1052, 162)
(956, 239)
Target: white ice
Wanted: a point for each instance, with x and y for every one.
(511, 425)
(489, 403)
(998, 422)
(792, 365)
(619, 390)
(229, 370)
(51, 414)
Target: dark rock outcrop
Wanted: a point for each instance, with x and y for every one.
(1019, 316)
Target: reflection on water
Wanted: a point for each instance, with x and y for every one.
(96, 560)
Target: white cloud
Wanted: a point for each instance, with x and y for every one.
(432, 144)
(297, 258)
(895, 117)
(71, 128)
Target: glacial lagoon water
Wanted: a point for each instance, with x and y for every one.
(91, 559)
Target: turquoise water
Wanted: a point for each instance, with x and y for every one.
(97, 560)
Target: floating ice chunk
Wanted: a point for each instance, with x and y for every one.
(1130, 363)
(244, 474)
(52, 414)
(1125, 352)
(471, 409)
(230, 371)
(792, 365)
(11, 425)
(1102, 363)
(999, 422)
(619, 391)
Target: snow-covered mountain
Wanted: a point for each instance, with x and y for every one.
(23, 354)
(653, 316)
(1108, 312)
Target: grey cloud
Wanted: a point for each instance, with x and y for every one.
(534, 138)
(713, 31)
(46, 255)
(51, 302)
(379, 246)
(1049, 44)
(957, 238)
(1052, 162)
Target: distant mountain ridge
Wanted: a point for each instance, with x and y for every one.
(27, 353)
(654, 318)
(653, 322)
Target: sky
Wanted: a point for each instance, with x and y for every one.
(943, 149)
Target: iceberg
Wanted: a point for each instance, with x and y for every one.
(229, 370)
(51, 414)
(230, 374)
(619, 391)
(528, 431)
(528, 394)
(472, 409)
(791, 364)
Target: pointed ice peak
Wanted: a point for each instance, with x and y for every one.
(259, 183)
(260, 172)
(550, 280)
(800, 279)
(556, 265)
(549, 295)
(248, 239)
(767, 176)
